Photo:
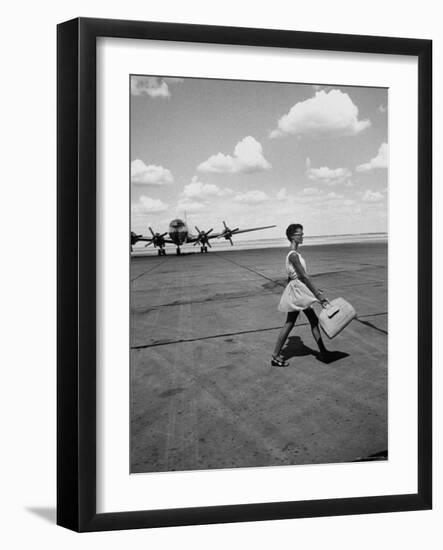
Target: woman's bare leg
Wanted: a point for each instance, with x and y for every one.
(284, 332)
(313, 320)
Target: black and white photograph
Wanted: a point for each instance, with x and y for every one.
(258, 274)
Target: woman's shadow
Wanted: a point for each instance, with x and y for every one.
(296, 348)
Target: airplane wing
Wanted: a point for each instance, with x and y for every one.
(192, 238)
(235, 232)
(149, 240)
(253, 229)
(140, 238)
(205, 235)
(227, 233)
(214, 235)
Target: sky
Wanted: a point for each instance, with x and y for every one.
(258, 153)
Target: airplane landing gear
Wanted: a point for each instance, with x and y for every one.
(203, 249)
(178, 252)
(161, 252)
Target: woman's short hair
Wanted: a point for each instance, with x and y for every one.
(293, 228)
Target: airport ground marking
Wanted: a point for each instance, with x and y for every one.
(279, 283)
(253, 271)
(163, 343)
(167, 342)
(148, 271)
(211, 337)
(248, 294)
(370, 325)
(366, 323)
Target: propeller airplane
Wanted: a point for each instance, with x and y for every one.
(179, 234)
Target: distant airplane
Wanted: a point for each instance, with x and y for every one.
(179, 234)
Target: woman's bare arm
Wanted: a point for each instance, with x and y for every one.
(304, 277)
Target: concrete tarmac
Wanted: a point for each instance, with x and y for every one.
(203, 392)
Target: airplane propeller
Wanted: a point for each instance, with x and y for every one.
(227, 233)
(203, 237)
(135, 238)
(157, 239)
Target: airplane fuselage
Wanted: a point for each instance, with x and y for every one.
(178, 232)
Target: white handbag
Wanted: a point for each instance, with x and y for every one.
(335, 316)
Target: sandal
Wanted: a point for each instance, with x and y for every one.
(276, 362)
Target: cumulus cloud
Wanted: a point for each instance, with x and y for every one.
(188, 205)
(146, 205)
(252, 197)
(149, 175)
(309, 191)
(334, 195)
(327, 114)
(282, 194)
(372, 196)
(329, 176)
(199, 190)
(379, 161)
(248, 157)
(152, 86)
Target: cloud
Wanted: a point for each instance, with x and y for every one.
(195, 195)
(152, 86)
(149, 175)
(311, 195)
(252, 197)
(282, 194)
(199, 190)
(372, 196)
(327, 114)
(190, 206)
(379, 161)
(329, 176)
(146, 205)
(309, 191)
(248, 157)
(334, 195)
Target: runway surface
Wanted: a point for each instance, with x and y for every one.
(203, 392)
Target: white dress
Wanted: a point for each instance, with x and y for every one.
(296, 296)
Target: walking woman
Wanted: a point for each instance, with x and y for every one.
(299, 295)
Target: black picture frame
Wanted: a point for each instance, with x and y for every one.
(76, 266)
